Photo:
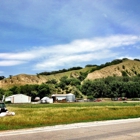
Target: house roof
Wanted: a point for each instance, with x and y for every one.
(58, 95)
(16, 95)
(9, 97)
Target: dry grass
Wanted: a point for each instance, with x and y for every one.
(130, 66)
(23, 79)
(29, 116)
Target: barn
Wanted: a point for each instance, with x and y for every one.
(18, 98)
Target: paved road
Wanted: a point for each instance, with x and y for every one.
(106, 130)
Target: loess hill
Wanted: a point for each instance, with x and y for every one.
(126, 67)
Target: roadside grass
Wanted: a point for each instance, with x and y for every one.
(39, 115)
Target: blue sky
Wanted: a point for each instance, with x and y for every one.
(47, 35)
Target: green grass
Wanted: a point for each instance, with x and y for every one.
(38, 115)
(68, 73)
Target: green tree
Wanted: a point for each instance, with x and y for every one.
(1, 93)
(15, 89)
(2, 77)
(8, 93)
(74, 82)
(43, 90)
(52, 81)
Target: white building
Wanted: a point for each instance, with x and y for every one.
(68, 97)
(18, 98)
(46, 100)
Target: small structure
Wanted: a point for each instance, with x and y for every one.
(70, 97)
(18, 98)
(60, 97)
(37, 99)
(46, 100)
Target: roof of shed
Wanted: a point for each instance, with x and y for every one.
(61, 94)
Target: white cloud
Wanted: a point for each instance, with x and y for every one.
(68, 54)
(71, 60)
(17, 56)
(85, 50)
(10, 62)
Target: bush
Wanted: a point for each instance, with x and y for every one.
(90, 97)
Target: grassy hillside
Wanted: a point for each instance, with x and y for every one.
(23, 79)
(125, 67)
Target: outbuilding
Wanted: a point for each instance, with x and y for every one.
(18, 98)
(59, 97)
(46, 100)
(70, 97)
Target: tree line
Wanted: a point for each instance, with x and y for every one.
(59, 71)
(64, 85)
(109, 87)
(30, 90)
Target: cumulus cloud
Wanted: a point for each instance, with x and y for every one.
(78, 51)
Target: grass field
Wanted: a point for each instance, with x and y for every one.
(38, 115)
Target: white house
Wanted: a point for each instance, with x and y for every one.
(18, 98)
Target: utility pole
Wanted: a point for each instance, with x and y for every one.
(3, 98)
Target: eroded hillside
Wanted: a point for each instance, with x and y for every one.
(127, 67)
(22, 79)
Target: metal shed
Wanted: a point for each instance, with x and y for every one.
(18, 98)
(58, 97)
(68, 97)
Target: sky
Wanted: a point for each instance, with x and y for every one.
(49, 35)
